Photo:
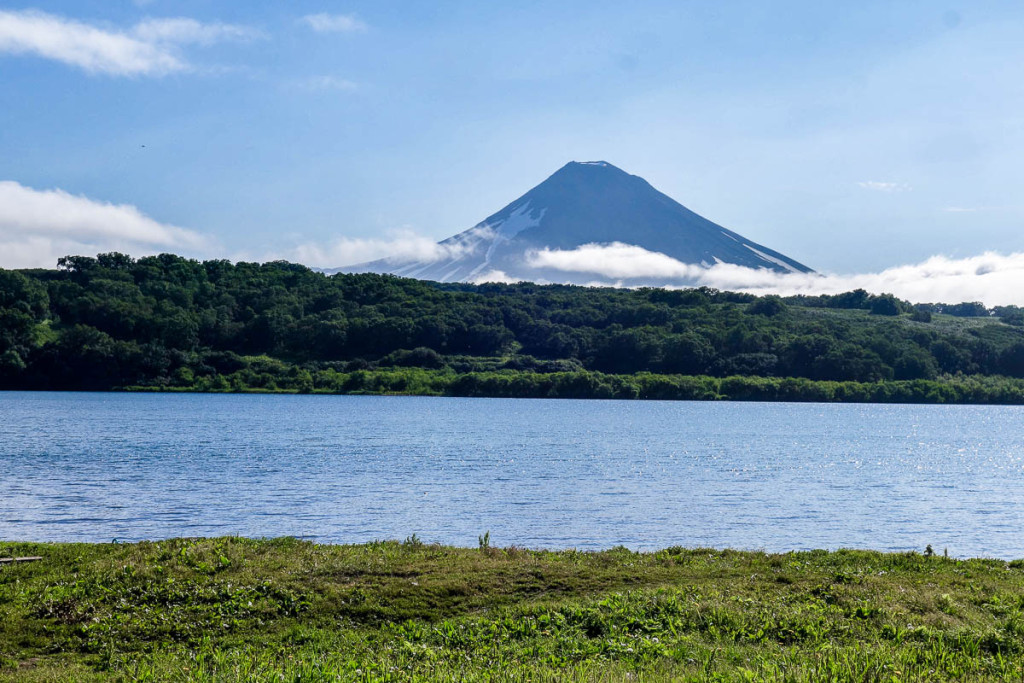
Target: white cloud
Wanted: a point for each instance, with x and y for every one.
(182, 30)
(333, 23)
(495, 276)
(325, 83)
(398, 247)
(615, 260)
(90, 48)
(884, 187)
(39, 226)
(148, 49)
(993, 278)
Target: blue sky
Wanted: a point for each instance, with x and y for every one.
(850, 136)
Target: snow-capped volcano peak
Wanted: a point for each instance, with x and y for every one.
(586, 204)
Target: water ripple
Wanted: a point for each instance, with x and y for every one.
(537, 473)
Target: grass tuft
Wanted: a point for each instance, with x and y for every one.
(234, 609)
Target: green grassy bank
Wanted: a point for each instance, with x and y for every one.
(284, 610)
(975, 389)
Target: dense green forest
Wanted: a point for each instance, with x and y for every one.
(171, 323)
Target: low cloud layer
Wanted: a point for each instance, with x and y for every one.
(616, 260)
(398, 247)
(150, 48)
(39, 226)
(995, 279)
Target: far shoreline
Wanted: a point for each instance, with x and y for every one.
(951, 390)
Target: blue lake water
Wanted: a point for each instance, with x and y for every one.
(535, 473)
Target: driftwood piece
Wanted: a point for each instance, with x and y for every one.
(10, 560)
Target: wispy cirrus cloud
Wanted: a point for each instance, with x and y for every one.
(333, 23)
(39, 226)
(90, 48)
(326, 84)
(150, 48)
(183, 31)
(879, 186)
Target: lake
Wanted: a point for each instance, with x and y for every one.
(534, 473)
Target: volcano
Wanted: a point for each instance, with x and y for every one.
(573, 226)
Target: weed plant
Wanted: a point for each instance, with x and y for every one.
(233, 609)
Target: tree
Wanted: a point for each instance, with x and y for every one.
(767, 305)
(885, 304)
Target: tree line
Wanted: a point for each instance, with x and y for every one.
(167, 322)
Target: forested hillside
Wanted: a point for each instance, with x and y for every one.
(168, 322)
